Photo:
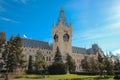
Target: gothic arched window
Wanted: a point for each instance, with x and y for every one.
(66, 37)
(56, 38)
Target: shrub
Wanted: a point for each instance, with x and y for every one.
(57, 68)
(117, 75)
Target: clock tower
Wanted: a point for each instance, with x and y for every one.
(62, 35)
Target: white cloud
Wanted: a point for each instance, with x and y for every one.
(116, 52)
(113, 17)
(114, 26)
(8, 20)
(25, 36)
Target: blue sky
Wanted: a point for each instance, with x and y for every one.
(93, 21)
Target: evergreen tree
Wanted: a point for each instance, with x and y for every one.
(40, 64)
(108, 66)
(30, 65)
(117, 69)
(58, 67)
(85, 64)
(13, 54)
(58, 56)
(117, 65)
(70, 64)
(93, 65)
(2, 42)
(18, 52)
(101, 68)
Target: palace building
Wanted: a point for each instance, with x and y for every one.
(62, 38)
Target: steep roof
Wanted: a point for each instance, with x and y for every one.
(79, 50)
(62, 18)
(35, 44)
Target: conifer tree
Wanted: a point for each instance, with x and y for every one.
(11, 61)
(40, 64)
(13, 54)
(108, 66)
(93, 65)
(30, 65)
(58, 56)
(117, 64)
(85, 64)
(2, 42)
(70, 63)
(58, 67)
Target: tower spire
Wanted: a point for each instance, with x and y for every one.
(62, 17)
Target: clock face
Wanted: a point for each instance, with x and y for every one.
(56, 38)
(66, 37)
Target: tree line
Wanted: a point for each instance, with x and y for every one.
(103, 66)
(13, 60)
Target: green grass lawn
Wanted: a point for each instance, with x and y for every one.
(62, 77)
(2, 79)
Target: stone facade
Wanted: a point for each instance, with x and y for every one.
(62, 36)
(30, 47)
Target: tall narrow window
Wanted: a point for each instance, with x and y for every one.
(56, 38)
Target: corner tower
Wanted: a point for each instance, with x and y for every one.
(62, 35)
